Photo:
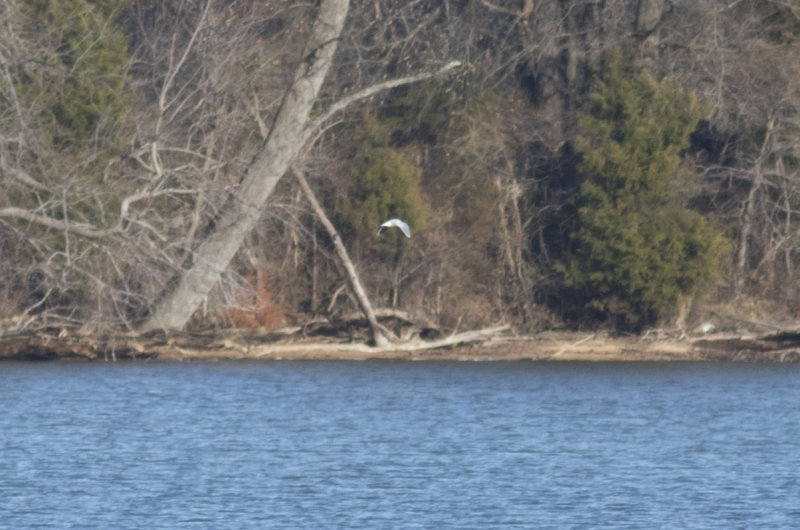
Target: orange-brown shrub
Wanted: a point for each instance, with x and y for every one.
(255, 307)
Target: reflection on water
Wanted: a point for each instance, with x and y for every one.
(399, 445)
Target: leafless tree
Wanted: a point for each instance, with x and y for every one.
(736, 56)
(291, 129)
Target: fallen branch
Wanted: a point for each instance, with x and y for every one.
(483, 344)
(380, 334)
(233, 344)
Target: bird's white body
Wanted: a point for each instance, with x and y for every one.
(399, 223)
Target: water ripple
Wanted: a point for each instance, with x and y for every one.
(399, 445)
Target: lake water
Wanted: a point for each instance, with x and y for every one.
(308, 445)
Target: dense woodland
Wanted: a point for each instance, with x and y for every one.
(582, 163)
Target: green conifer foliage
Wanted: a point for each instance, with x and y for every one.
(81, 89)
(76, 101)
(638, 249)
(385, 184)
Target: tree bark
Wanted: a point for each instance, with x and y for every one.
(378, 333)
(293, 128)
(244, 208)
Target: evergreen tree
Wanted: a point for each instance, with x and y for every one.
(638, 249)
(81, 88)
(385, 184)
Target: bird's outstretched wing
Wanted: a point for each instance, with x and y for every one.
(399, 223)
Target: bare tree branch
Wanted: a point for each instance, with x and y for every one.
(346, 101)
(82, 229)
(379, 333)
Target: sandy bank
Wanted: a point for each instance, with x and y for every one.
(479, 345)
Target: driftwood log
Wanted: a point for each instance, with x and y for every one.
(346, 338)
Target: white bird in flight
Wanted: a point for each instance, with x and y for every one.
(399, 223)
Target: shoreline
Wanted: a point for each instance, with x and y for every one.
(478, 345)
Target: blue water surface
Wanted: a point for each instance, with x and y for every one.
(308, 445)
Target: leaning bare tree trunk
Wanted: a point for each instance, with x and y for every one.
(378, 333)
(245, 207)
